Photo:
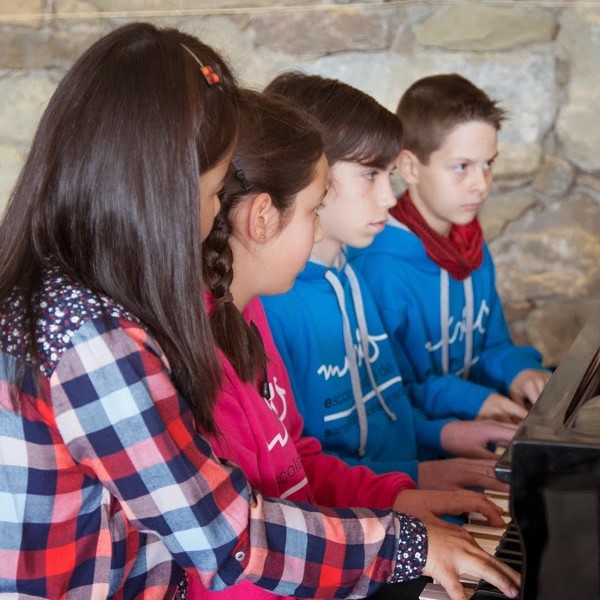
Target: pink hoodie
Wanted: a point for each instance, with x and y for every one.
(264, 437)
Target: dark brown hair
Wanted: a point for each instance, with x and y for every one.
(277, 152)
(355, 126)
(433, 106)
(110, 192)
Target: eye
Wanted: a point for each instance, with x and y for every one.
(318, 208)
(460, 167)
(488, 164)
(370, 175)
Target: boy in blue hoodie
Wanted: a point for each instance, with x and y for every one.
(430, 271)
(344, 374)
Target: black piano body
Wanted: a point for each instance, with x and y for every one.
(553, 466)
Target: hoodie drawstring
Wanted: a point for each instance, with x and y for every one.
(469, 316)
(445, 323)
(351, 359)
(352, 366)
(364, 337)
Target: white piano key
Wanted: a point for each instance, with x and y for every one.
(479, 519)
(499, 450)
(434, 591)
(501, 502)
(485, 531)
(488, 545)
(497, 494)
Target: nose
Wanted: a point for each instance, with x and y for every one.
(319, 233)
(387, 198)
(482, 180)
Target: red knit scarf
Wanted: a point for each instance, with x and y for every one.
(460, 253)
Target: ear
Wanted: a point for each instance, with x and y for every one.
(263, 217)
(408, 166)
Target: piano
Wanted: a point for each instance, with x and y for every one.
(553, 467)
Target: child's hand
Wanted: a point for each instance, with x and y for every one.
(451, 552)
(429, 505)
(501, 408)
(472, 438)
(459, 473)
(528, 385)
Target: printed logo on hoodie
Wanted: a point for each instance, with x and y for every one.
(278, 404)
(457, 331)
(328, 371)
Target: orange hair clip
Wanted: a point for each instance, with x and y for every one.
(210, 75)
(207, 71)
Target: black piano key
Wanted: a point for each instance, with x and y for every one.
(511, 545)
(489, 592)
(512, 563)
(508, 554)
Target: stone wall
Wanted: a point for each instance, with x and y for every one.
(538, 58)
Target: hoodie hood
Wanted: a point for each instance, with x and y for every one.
(398, 241)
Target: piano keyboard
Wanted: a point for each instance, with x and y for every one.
(503, 543)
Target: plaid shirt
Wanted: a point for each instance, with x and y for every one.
(106, 491)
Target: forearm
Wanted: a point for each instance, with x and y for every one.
(335, 483)
(372, 547)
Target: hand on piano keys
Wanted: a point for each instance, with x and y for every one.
(472, 439)
(527, 386)
(497, 407)
(430, 505)
(488, 537)
(459, 473)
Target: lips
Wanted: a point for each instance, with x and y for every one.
(378, 224)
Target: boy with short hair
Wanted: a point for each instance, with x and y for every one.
(430, 271)
(345, 378)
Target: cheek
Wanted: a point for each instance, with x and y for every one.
(208, 212)
(306, 242)
(216, 205)
(204, 229)
(439, 190)
(329, 216)
(301, 248)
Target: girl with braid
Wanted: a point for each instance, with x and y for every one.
(261, 239)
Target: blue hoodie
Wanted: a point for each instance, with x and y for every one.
(358, 409)
(453, 332)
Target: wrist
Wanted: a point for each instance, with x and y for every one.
(411, 553)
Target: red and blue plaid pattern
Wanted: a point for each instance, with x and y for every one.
(106, 491)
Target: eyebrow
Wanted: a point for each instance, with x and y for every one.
(470, 160)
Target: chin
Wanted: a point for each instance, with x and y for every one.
(364, 242)
(465, 220)
(282, 289)
(360, 240)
